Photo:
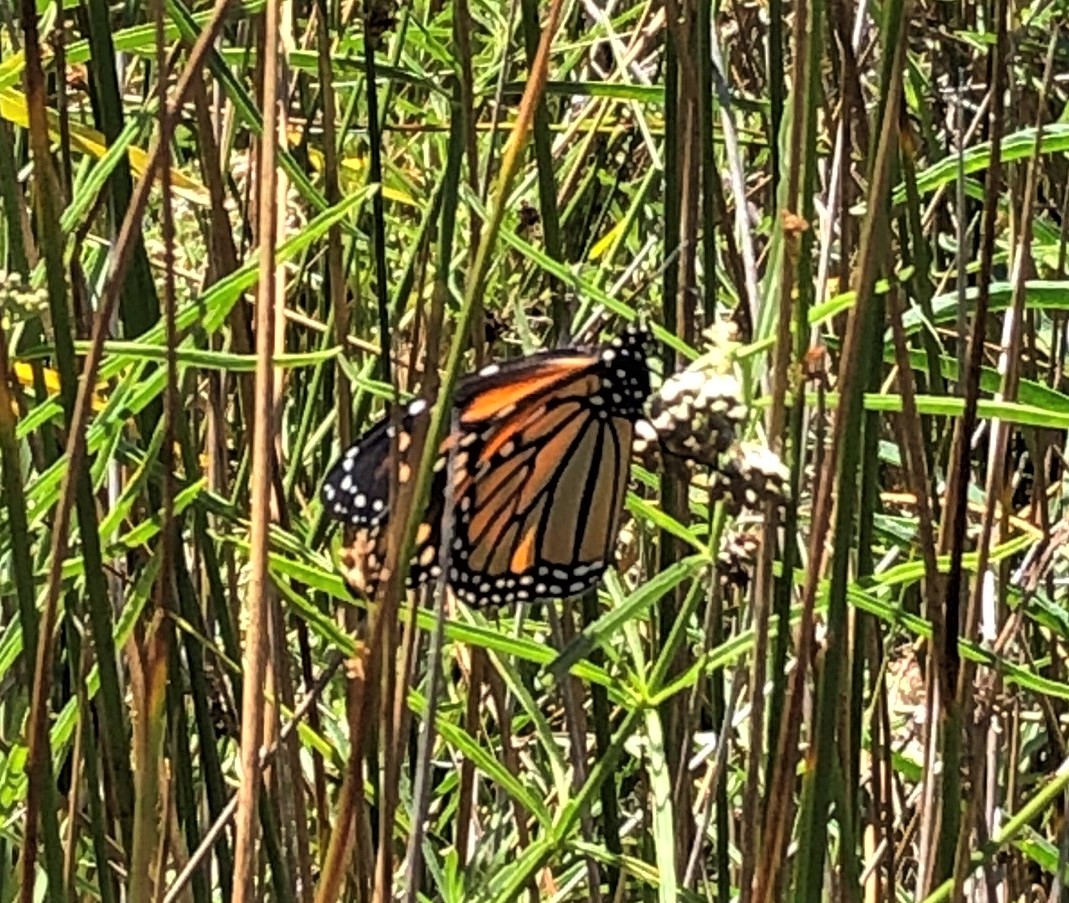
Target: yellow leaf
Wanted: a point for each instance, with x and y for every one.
(24, 374)
(356, 168)
(90, 141)
(605, 242)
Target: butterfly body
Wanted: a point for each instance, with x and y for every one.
(539, 460)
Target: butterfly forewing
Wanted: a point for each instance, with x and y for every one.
(539, 507)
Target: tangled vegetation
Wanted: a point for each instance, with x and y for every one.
(829, 662)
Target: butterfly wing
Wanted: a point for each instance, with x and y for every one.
(541, 473)
(490, 399)
(540, 457)
(356, 492)
(539, 520)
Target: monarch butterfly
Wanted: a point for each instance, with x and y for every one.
(541, 449)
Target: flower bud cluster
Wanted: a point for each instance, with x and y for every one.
(18, 302)
(695, 416)
(737, 556)
(695, 420)
(749, 476)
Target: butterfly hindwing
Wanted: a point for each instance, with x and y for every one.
(356, 489)
(542, 524)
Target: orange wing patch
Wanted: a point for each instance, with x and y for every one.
(489, 402)
(546, 423)
(509, 429)
(523, 557)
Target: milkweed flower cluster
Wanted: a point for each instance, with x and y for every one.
(748, 476)
(19, 302)
(696, 418)
(737, 556)
(693, 429)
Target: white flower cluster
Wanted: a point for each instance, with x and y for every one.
(737, 556)
(18, 302)
(696, 418)
(749, 476)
